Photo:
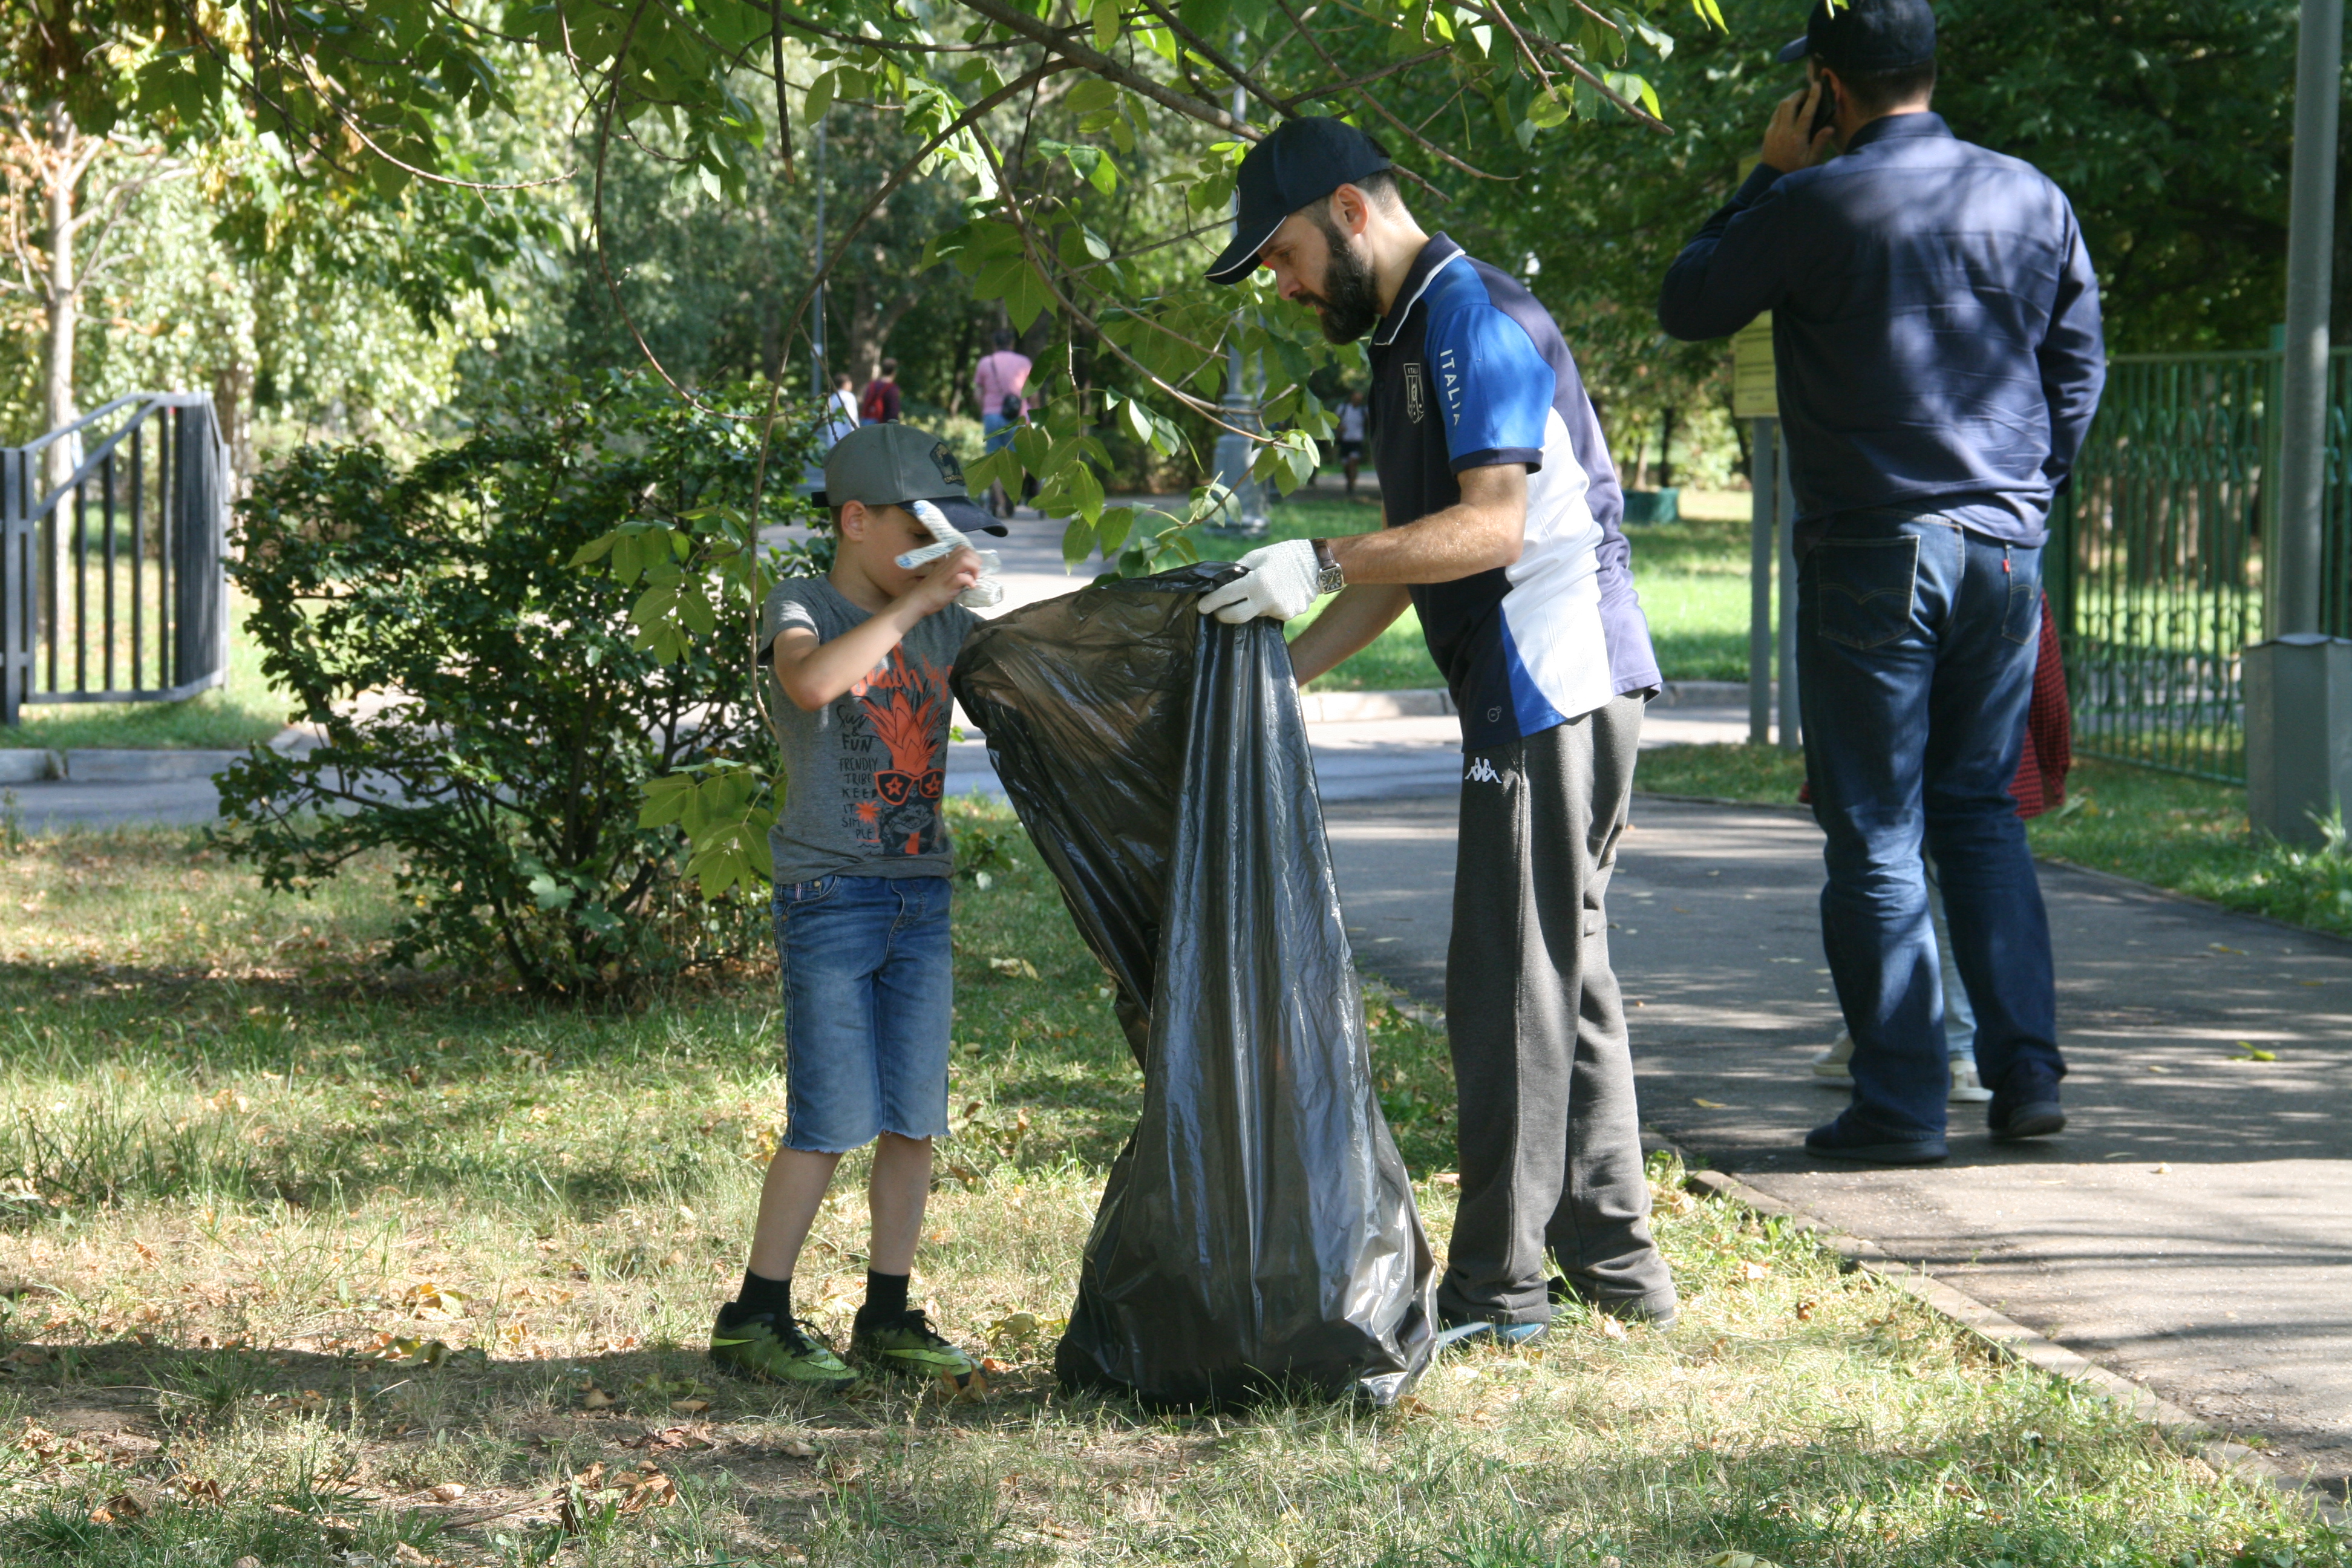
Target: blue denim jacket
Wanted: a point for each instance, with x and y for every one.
(1935, 324)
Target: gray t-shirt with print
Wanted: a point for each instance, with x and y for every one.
(864, 773)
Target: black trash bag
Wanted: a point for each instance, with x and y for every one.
(1258, 1234)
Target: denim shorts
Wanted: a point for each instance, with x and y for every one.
(869, 999)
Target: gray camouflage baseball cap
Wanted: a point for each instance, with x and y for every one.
(892, 464)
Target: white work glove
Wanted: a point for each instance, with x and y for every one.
(980, 594)
(1280, 583)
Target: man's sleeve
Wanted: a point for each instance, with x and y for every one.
(1736, 268)
(1491, 387)
(2073, 356)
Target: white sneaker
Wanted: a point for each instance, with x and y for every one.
(1830, 1066)
(1967, 1088)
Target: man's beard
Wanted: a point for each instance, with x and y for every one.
(1350, 303)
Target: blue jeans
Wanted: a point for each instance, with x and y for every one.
(1915, 646)
(869, 999)
(997, 430)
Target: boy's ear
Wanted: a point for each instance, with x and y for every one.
(852, 521)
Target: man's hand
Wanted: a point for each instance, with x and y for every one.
(1280, 583)
(1788, 147)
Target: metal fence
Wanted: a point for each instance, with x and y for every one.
(111, 586)
(2156, 565)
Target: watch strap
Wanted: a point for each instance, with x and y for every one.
(1328, 578)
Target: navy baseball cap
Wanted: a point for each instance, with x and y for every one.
(1864, 37)
(1303, 161)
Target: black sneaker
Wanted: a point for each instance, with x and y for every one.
(2026, 1105)
(1844, 1139)
(1659, 1309)
(907, 1343)
(769, 1349)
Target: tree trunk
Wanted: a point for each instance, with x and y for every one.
(64, 304)
(233, 407)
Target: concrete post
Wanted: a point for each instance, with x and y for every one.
(2296, 718)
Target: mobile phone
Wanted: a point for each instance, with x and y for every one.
(1824, 111)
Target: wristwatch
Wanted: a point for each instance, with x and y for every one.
(1328, 578)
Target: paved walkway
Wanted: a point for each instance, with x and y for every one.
(2189, 1229)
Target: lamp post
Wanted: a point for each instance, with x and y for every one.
(817, 383)
(1244, 511)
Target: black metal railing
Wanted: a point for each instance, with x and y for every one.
(2156, 565)
(111, 586)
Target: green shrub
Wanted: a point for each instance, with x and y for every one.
(489, 712)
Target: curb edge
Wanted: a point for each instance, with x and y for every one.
(2013, 1339)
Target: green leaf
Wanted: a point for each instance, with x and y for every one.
(1106, 20)
(820, 97)
(1077, 541)
(1089, 95)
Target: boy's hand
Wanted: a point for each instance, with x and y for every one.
(950, 577)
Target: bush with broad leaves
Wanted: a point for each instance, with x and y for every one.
(493, 715)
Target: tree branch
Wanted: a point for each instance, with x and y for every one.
(1208, 51)
(1109, 69)
(1381, 108)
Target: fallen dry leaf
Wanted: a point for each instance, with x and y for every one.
(1710, 1104)
(796, 1450)
(650, 1489)
(1019, 968)
(246, 1561)
(447, 1492)
(1447, 1179)
(119, 1509)
(407, 1556)
(689, 1406)
(595, 1398)
(1610, 1328)
(1753, 1271)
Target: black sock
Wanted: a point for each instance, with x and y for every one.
(886, 1296)
(761, 1294)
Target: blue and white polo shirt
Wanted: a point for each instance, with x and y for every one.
(1468, 371)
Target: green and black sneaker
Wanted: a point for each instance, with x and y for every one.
(769, 1349)
(907, 1343)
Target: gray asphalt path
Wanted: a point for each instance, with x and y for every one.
(2189, 1229)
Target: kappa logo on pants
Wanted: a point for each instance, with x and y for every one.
(1482, 771)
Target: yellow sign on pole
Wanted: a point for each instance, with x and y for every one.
(1755, 394)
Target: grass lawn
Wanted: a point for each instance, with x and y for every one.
(2186, 833)
(1692, 578)
(227, 717)
(309, 1263)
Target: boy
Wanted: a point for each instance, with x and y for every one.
(860, 704)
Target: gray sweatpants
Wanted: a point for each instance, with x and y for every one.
(1550, 1140)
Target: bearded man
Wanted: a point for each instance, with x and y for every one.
(1502, 509)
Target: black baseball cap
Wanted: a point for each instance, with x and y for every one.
(1303, 161)
(1864, 37)
(892, 464)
